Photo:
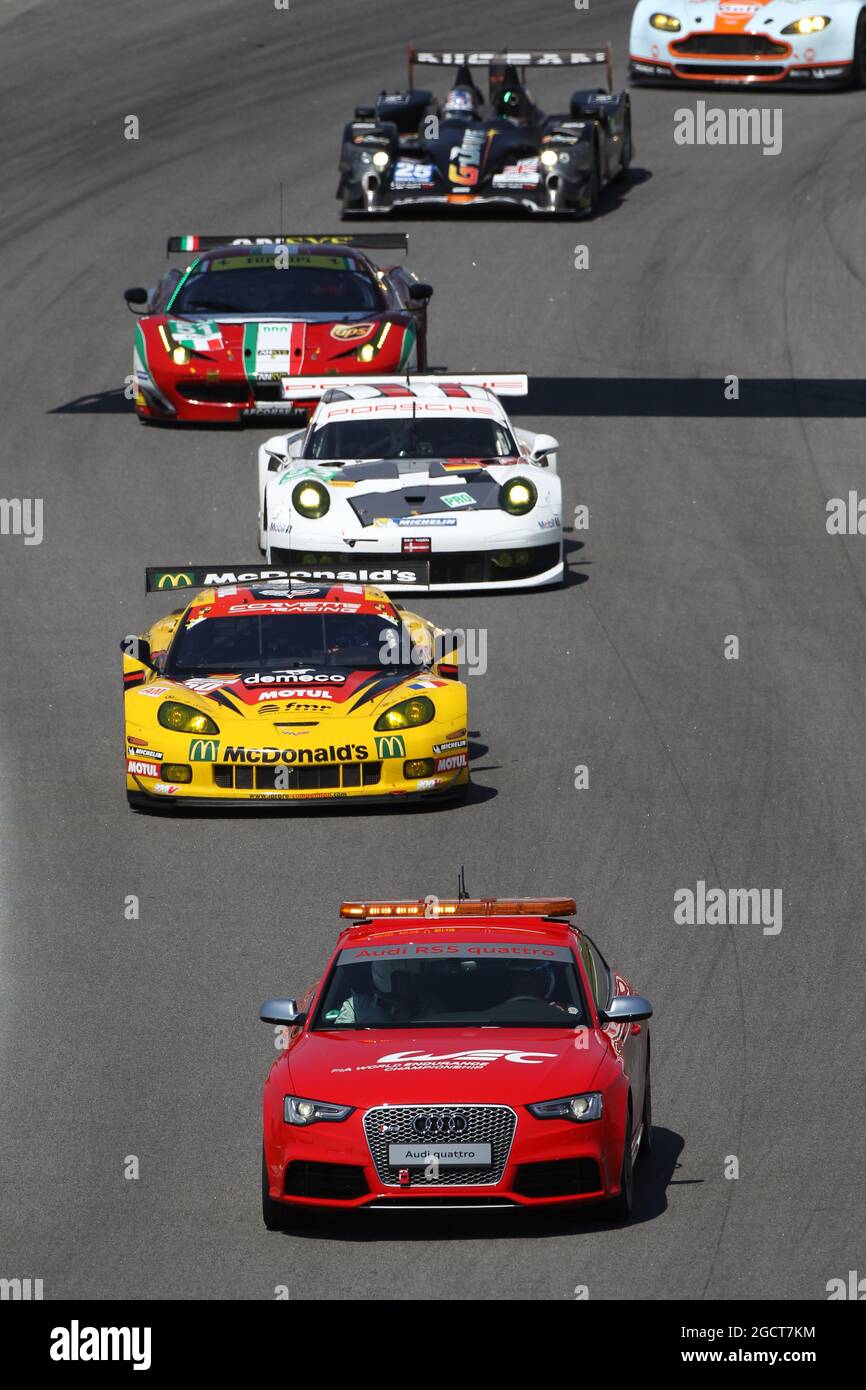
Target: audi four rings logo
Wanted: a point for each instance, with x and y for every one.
(432, 1126)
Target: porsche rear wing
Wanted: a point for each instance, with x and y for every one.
(373, 241)
(308, 388)
(522, 58)
(403, 571)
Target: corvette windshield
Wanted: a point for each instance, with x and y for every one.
(277, 642)
(411, 437)
(464, 989)
(265, 289)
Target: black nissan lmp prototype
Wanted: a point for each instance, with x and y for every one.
(470, 151)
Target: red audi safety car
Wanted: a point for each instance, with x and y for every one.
(219, 340)
(459, 1053)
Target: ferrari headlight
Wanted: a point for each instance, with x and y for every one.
(180, 356)
(518, 496)
(811, 24)
(580, 1109)
(311, 500)
(381, 159)
(297, 1111)
(407, 714)
(183, 719)
(668, 22)
(367, 352)
(548, 158)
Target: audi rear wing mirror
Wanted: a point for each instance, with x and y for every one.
(626, 1008)
(281, 1011)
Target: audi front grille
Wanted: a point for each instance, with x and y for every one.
(484, 1124)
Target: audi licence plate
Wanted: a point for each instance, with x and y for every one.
(449, 1155)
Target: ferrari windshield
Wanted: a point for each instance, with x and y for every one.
(332, 285)
(481, 985)
(411, 436)
(282, 642)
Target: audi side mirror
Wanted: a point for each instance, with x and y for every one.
(281, 1011)
(626, 1008)
(420, 292)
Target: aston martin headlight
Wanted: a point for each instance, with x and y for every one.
(311, 500)
(381, 159)
(297, 1111)
(183, 719)
(579, 1109)
(407, 714)
(518, 496)
(548, 158)
(668, 22)
(810, 24)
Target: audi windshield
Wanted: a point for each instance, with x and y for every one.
(331, 286)
(411, 437)
(275, 642)
(485, 985)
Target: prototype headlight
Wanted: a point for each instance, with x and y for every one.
(548, 158)
(811, 24)
(311, 500)
(183, 719)
(518, 496)
(407, 715)
(297, 1111)
(381, 159)
(668, 22)
(580, 1109)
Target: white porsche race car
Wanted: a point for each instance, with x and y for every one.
(801, 43)
(426, 466)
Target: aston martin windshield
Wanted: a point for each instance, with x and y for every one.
(411, 437)
(476, 986)
(277, 642)
(226, 287)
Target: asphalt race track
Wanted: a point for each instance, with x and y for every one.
(707, 520)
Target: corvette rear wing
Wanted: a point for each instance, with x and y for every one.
(403, 571)
(523, 58)
(307, 388)
(378, 241)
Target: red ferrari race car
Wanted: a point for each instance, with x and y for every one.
(460, 1053)
(219, 340)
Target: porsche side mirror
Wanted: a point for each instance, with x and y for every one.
(281, 1011)
(626, 1008)
(420, 292)
(544, 445)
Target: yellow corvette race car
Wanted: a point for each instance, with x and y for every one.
(272, 688)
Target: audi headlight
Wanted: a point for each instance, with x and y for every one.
(580, 1109)
(518, 496)
(311, 500)
(811, 24)
(407, 715)
(297, 1111)
(668, 22)
(183, 719)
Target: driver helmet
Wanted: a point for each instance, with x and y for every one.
(461, 102)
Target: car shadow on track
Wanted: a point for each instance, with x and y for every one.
(653, 1176)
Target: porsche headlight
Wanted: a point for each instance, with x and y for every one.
(183, 719)
(407, 714)
(668, 22)
(810, 24)
(518, 496)
(579, 1109)
(311, 499)
(298, 1111)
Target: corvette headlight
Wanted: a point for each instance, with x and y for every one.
(381, 159)
(407, 714)
(668, 22)
(183, 719)
(518, 496)
(548, 158)
(580, 1109)
(811, 24)
(297, 1111)
(311, 500)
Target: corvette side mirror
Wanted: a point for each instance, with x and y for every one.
(281, 1011)
(137, 295)
(420, 292)
(139, 649)
(626, 1008)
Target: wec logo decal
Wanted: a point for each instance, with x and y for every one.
(481, 1055)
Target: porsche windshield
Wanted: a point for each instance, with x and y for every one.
(229, 287)
(282, 642)
(477, 985)
(411, 436)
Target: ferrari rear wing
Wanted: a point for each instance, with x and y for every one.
(381, 241)
(307, 388)
(523, 58)
(403, 571)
